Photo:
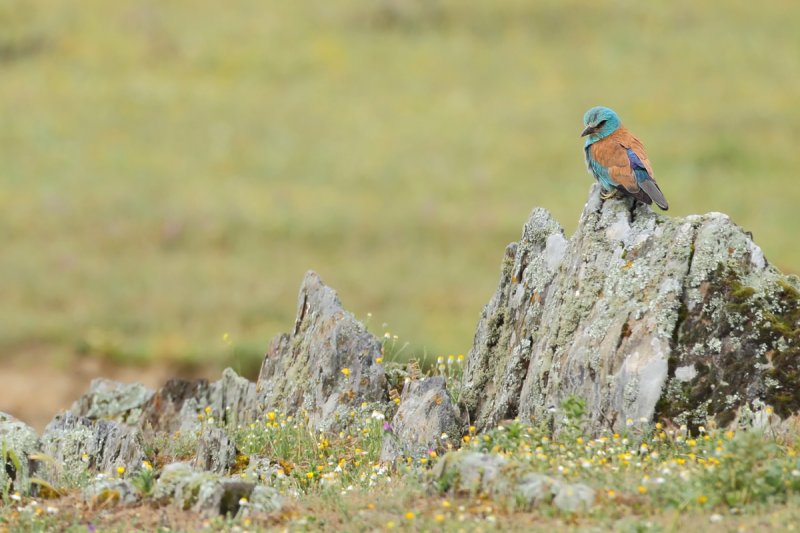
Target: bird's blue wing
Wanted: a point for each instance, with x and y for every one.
(639, 170)
(646, 181)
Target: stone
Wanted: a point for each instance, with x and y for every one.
(469, 472)
(185, 488)
(535, 489)
(179, 485)
(215, 451)
(326, 365)
(223, 496)
(179, 404)
(264, 499)
(18, 442)
(77, 447)
(424, 414)
(111, 400)
(508, 480)
(111, 492)
(641, 315)
(176, 405)
(574, 497)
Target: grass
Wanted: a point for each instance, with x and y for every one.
(170, 170)
(649, 477)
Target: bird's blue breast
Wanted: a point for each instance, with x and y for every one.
(597, 170)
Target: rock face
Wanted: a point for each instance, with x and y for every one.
(77, 445)
(326, 364)
(640, 314)
(425, 413)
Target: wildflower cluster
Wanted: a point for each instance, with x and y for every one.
(670, 465)
(303, 459)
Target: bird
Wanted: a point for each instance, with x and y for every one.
(617, 159)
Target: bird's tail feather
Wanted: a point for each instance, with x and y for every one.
(650, 187)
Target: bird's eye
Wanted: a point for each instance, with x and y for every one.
(600, 124)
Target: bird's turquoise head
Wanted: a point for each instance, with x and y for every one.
(599, 122)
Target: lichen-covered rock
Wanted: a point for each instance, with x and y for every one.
(111, 400)
(468, 472)
(573, 497)
(18, 442)
(424, 414)
(215, 451)
(180, 404)
(186, 488)
(326, 365)
(107, 492)
(179, 485)
(264, 499)
(77, 447)
(223, 496)
(641, 315)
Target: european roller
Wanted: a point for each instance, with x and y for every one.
(617, 160)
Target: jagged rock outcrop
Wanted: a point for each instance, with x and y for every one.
(323, 368)
(640, 314)
(76, 445)
(321, 371)
(425, 413)
(326, 365)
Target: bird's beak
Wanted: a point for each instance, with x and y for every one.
(587, 130)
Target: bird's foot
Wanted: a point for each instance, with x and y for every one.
(608, 195)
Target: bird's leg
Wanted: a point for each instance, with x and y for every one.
(608, 195)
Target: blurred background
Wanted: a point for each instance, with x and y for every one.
(170, 170)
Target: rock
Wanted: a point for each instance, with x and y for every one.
(425, 412)
(112, 400)
(264, 499)
(535, 489)
(204, 492)
(573, 497)
(110, 492)
(179, 484)
(18, 442)
(76, 445)
(326, 365)
(178, 405)
(215, 451)
(223, 496)
(469, 472)
(639, 314)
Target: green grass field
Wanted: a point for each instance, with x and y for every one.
(169, 170)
